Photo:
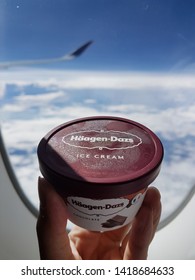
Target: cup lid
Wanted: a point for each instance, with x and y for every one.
(100, 152)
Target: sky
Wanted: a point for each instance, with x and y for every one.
(128, 35)
(140, 66)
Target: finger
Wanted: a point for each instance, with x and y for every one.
(118, 235)
(154, 201)
(144, 226)
(51, 225)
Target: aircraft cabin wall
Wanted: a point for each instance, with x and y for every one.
(17, 224)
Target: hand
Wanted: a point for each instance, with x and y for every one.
(130, 242)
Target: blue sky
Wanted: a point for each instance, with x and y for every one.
(129, 35)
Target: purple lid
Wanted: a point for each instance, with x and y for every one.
(100, 157)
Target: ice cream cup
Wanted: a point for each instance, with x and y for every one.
(101, 167)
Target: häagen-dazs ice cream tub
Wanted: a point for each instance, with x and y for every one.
(101, 166)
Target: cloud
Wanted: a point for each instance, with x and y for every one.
(2, 90)
(36, 99)
(98, 79)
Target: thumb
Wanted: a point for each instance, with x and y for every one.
(51, 224)
(144, 226)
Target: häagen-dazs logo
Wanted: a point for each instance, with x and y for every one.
(94, 139)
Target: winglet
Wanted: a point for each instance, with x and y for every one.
(80, 50)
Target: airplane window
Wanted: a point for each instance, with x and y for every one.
(61, 60)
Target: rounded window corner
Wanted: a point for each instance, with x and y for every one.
(167, 220)
(13, 178)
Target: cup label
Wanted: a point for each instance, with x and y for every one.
(105, 214)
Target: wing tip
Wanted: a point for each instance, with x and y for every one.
(81, 49)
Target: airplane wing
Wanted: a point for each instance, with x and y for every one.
(72, 55)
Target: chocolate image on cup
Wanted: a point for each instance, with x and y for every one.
(101, 167)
